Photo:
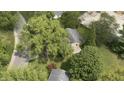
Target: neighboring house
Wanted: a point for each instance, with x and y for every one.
(92, 16)
(75, 40)
(89, 17)
(58, 75)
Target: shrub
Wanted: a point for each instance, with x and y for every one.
(32, 72)
(86, 65)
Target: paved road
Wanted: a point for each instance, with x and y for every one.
(18, 61)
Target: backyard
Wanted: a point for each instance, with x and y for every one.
(86, 46)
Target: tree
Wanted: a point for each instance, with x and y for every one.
(8, 20)
(105, 29)
(91, 39)
(89, 34)
(87, 65)
(45, 38)
(122, 31)
(70, 19)
(28, 14)
(117, 46)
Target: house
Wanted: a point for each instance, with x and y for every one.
(58, 75)
(75, 40)
(88, 17)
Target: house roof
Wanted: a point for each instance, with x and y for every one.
(74, 35)
(58, 14)
(58, 75)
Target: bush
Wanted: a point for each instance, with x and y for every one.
(86, 65)
(32, 72)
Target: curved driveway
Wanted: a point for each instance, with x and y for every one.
(18, 61)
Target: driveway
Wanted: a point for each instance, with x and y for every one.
(17, 61)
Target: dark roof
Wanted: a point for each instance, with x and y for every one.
(74, 36)
(58, 75)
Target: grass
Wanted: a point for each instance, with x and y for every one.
(8, 36)
(111, 60)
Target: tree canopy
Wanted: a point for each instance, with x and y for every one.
(29, 14)
(87, 65)
(70, 19)
(8, 20)
(105, 28)
(45, 38)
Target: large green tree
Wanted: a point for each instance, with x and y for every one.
(70, 19)
(117, 46)
(45, 38)
(105, 28)
(87, 65)
(8, 20)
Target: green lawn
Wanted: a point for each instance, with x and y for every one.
(112, 65)
(111, 60)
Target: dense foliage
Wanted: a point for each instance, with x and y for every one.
(70, 19)
(92, 36)
(117, 46)
(34, 71)
(88, 34)
(29, 14)
(105, 29)
(6, 47)
(86, 65)
(8, 20)
(113, 75)
(45, 38)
